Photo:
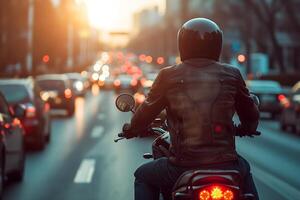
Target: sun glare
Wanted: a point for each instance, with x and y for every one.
(106, 14)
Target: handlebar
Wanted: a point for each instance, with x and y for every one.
(160, 131)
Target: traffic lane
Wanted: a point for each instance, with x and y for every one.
(112, 165)
(42, 166)
(274, 160)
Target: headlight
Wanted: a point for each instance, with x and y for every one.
(79, 85)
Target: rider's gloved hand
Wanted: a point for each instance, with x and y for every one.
(127, 132)
(240, 131)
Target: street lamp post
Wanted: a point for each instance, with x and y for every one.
(30, 35)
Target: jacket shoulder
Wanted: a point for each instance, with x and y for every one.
(231, 69)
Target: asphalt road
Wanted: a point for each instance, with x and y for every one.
(82, 162)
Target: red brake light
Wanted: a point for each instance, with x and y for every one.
(47, 107)
(284, 101)
(30, 111)
(281, 97)
(133, 82)
(216, 192)
(68, 93)
(117, 83)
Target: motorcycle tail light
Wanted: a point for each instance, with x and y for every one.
(68, 93)
(216, 192)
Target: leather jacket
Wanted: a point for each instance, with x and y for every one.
(200, 97)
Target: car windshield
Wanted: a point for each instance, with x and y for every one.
(264, 87)
(15, 93)
(57, 85)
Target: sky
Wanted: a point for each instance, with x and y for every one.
(113, 15)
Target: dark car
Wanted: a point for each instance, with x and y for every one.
(56, 89)
(146, 84)
(290, 116)
(126, 82)
(12, 141)
(269, 93)
(79, 85)
(36, 122)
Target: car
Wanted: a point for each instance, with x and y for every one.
(107, 84)
(79, 85)
(269, 93)
(12, 141)
(56, 89)
(2, 158)
(37, 121)
(290, 117)
(146, 84)
(126, 82)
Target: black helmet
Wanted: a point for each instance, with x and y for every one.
(200, 38)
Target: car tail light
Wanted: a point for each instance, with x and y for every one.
(68, 93)
(284, 100)
(133, 82)
(47, 107)
(140, 98)
(216, 192)
(117, 83)
(30, 111)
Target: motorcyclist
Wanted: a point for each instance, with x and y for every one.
(200, 96)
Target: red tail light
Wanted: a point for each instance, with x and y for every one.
(283, 100)
(216, 192)
(133, 82)
(47, 107)
(68, 93)
(30, 112)
(117, 83)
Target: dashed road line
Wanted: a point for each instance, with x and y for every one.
(85, 171)
(97, 132)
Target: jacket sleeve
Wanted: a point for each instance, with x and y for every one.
(151, 107)
(245, 107)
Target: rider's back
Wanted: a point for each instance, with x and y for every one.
(201, 96)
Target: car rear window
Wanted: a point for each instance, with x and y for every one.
(15, 93)
(58, 85)
(264, 87)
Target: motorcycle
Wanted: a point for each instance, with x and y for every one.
(207, 184)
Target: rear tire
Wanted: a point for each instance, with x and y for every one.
(41, 142)
(19, 174)
(283, 127)
(2, 175)
(48, 136)
(71, 111)
(297, 127)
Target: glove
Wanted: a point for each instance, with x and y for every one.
(127, 132)
(239, 131)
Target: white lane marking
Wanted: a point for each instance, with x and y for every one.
(101, 116)
(86, 171)
(97, 131)
(286, 190)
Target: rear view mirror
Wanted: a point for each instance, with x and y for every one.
(255, 99)
(125, 102)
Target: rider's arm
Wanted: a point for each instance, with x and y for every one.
(151, 107)
(246, 109)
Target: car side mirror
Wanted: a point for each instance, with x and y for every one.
(125, 102)
(19, 111)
